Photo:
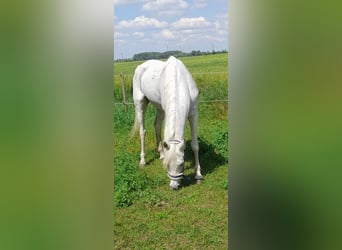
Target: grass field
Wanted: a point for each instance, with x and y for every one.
(147, 214)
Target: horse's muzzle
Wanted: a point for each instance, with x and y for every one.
(174, 184)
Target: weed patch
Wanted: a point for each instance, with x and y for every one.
(129, 182)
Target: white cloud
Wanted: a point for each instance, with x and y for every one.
(141, 22)
(199, 32)
(219, 28)
(221, 24)
(125, 2)
(166, 34)
(119, 41)
(199, 4)
(217, 25)
(195, 22)
(166, 7)
(165, 4)
(119, 35)
(214, 38)
(138, 34)
(187, 31)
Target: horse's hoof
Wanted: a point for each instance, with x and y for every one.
(142, 164)
(199, 181)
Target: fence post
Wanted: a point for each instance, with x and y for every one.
(123, 90)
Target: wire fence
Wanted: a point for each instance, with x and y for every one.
(196, 73)
(204, 101)
(210, 73)
(125, 103)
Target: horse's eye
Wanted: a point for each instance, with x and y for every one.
(166, 146)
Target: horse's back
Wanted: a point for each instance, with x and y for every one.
(146, 81)
(152, 77)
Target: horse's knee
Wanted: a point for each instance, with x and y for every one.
(194, 146)
(142, 132)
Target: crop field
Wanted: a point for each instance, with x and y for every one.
(147, 214)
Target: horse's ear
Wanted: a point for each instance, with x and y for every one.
(165, 145)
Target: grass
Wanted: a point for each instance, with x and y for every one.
(147, 214)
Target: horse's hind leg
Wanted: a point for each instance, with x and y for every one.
(158, 125)
(140, 108)
(194, 143)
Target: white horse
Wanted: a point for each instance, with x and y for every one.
(171, 89)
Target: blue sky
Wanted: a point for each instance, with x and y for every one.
(160, 25)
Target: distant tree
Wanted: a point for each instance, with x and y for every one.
(164, 55)
(195, 53)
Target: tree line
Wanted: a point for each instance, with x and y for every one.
(164, 55)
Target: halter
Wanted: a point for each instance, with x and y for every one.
(174, 141)
(176, 177)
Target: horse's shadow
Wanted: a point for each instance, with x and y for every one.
(208, 157)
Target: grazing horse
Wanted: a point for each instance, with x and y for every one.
(170, 88)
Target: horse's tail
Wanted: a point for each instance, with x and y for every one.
(136, 82)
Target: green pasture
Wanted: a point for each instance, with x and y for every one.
(147, 214)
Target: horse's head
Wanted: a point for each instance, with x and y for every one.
(174, 161)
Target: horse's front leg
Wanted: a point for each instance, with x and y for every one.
(194, 144)
(158, 125)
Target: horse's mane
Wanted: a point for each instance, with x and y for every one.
(171, 94)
